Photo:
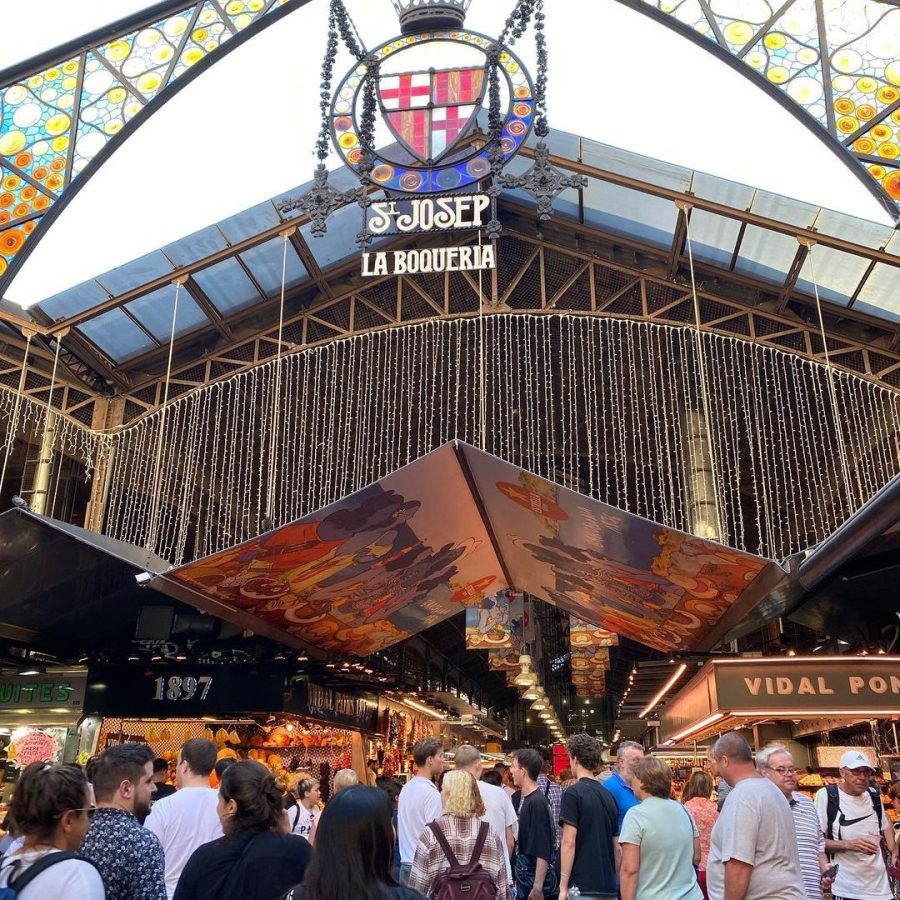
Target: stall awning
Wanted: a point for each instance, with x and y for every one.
(62, 585)
(729, 693)
(424, 542)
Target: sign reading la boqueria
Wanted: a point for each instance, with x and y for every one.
(426, 216)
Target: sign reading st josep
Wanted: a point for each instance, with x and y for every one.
(425, 216)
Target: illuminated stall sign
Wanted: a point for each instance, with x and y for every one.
(855, 684)
(333, 707)
(183, 690)
(42, 692)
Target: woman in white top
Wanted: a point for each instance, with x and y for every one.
(51, 808)
(305, 816)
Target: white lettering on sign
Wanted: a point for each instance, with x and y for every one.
(178, 687)
(428, 214)
(818, 686)
(441, 259)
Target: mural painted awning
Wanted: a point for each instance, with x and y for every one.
(428, 540)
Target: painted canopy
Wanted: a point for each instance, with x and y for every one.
(456, 525)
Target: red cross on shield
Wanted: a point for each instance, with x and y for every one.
(429, 113)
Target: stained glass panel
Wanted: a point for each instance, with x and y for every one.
(837, 61)
(55, 122)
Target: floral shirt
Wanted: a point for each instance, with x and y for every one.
(129, 857)
(704, 813)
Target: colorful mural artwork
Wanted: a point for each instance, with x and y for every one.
(413, 549)
(495, 621)
(583, 634)
(608, 567)
(368, 571)
(504, 660)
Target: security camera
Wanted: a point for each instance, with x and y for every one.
(143, 578)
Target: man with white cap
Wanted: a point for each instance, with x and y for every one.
(853, 821)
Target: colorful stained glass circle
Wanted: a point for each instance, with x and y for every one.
(462, 167)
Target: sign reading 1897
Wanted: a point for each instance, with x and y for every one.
(177, 687)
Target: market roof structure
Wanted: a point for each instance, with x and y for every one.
(761, 254)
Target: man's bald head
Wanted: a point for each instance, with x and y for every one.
(468, 758)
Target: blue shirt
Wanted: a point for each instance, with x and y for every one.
(623, 795)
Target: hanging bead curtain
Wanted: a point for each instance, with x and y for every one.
(599, 405)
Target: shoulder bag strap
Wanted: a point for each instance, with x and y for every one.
(479, 843)
(296, 818)
(875, 797)
(445, 845)
(833, 809)
(21, 881)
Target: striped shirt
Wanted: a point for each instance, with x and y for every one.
(810, 843)
(461, 834)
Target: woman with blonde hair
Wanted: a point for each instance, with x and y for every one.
(458, 837)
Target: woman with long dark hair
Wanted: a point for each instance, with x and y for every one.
(354, 851)
(256, 859)
(51, 809)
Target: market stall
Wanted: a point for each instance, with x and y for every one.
(40, 712)
(817, 706)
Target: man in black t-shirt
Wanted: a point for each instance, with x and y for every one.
(590, 822)
(535, 874)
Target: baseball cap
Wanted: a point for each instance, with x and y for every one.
(853, 759)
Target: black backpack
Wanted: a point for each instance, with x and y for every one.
(18, 882)
(833, 810)
(470, 882)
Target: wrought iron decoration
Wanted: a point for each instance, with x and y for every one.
(418, 17)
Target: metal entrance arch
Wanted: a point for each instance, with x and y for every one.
(78, 103)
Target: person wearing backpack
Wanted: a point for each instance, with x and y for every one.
(853, 821)
(458, 855)
(51, 808)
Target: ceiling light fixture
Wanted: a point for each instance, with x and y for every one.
(709, 720)
(422, 708)
(664, 690)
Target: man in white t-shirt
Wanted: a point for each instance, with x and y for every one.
(498, 808)
(420, 801)
(753, 848)
(853, 834)
(189, 817)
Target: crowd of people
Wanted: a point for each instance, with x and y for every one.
(504, 833)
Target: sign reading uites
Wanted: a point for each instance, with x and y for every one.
(426, 216)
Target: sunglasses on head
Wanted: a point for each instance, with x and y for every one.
(90, 810)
